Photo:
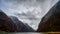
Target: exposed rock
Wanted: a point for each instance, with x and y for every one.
(21, 27)
(51, 21)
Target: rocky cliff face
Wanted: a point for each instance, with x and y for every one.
(12, 24)
(51, 21)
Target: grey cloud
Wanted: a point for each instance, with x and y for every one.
(27, 9)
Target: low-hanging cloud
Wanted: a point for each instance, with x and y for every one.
(28, 11)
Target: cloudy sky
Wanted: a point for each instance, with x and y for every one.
(27, 11)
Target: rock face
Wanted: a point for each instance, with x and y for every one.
(12, 24)
(51, 21)
(21, 27)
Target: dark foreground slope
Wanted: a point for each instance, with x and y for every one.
(12, 24)
(51, 21)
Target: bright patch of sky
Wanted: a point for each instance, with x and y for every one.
(27, 11)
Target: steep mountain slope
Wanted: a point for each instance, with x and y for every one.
(51, 21)
(6, 24)
(12, 24)
(21, 26)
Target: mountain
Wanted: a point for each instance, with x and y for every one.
(12, 24)
(51, 21)
(6, 24)
(21, 27)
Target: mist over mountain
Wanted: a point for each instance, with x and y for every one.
(13, 24)
(21, 27)
(28, 11)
